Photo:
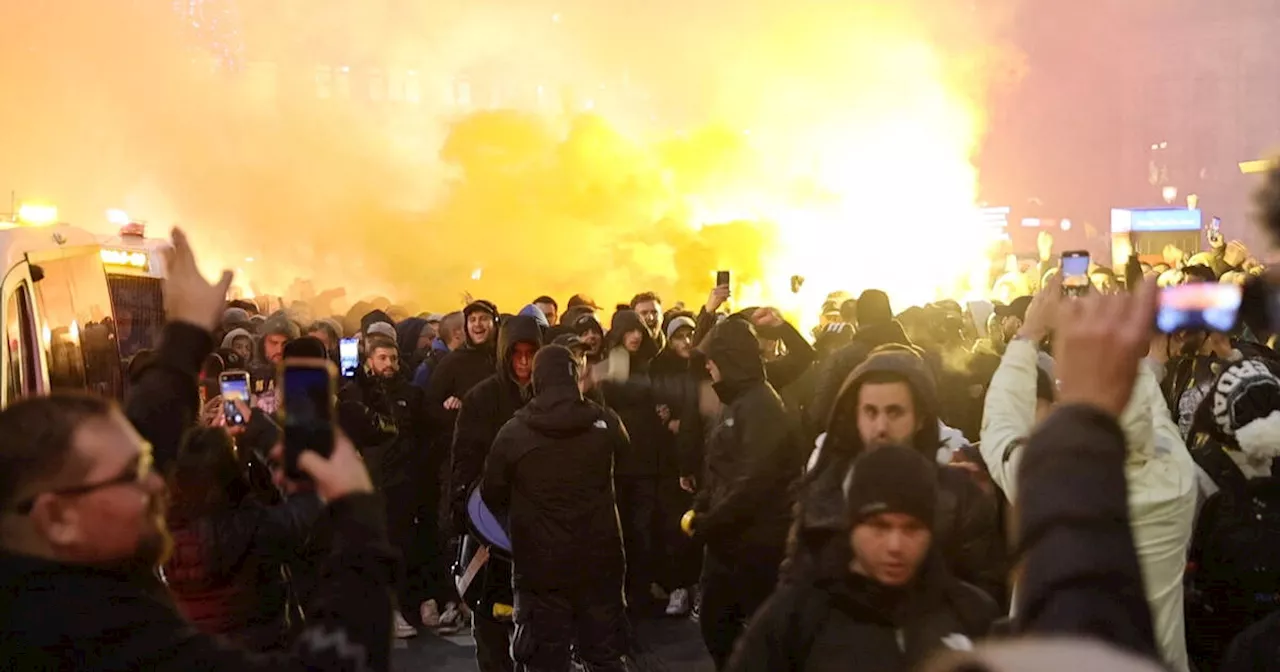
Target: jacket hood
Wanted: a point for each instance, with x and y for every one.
(625, 321)
(842, 425)
(372, 317)
(735, 350)
(557, 409)
(532, 310)
(518, 329)
(232, 335)
(407, 334)
(279, 323)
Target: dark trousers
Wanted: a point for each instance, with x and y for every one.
(734, 585)
(638, 512)
(592, 619)
(679, 558)
(493, 644)
(402, 511)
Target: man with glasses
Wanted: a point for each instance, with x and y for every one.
(82, 525)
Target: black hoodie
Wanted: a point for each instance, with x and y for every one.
(967, 534)
(486, 408)
(833, 372)
(636, 402)
(753, 456)
(551, 472)
(457, 373)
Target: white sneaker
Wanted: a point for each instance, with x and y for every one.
(678, 603)
(403, 629)
(430, 613)
(450, 622)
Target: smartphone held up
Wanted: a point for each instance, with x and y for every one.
(233, 386)
(1075, 273)
(308, 388)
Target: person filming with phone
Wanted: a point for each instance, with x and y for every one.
(82, 518)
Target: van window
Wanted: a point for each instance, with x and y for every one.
(21, 344)
(138, 305)
(79, 334)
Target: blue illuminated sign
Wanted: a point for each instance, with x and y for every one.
(1154, 219)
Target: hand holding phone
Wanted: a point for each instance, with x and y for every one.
(308, 388)
(722, 278)
(342, 473)
(349, 356)
(234, 387)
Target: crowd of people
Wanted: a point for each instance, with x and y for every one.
(890, 487)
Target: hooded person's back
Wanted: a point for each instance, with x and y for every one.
(551, 471)
(967, 533)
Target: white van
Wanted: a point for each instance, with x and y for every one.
(58, 313)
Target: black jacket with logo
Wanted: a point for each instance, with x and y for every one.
(854, 623)
(551, 473)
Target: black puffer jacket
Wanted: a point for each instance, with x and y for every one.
(753, 456)
(485, 409)
(225, 571)
(551, 472)
(636, 401)
(854, 623)
(966, 532)
(455, 375)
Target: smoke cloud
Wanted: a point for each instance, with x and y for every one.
(417, 151)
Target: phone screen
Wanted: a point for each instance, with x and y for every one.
(307, 410)
(349, 356)
(234, 386)
(1207, 306)
(1075, 273)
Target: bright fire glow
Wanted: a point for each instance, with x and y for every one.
(39, 215)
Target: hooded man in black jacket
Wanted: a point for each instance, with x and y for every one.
(461, 370)
(485, 409)
(743, 509)
(636, 473)
(895, 603)
(551, 474)
(891, 400)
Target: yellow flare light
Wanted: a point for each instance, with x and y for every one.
(118, 217)
(37, 215)
(126, 258)
(1258, 166)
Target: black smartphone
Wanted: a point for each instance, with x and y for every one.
(349, 356)
(309, 388)
(234, 386)
(1075, 273)
(1205, 306)
(722, 278)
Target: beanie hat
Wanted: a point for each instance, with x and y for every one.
(873, 308)
(232, 316)
(1246, 406)
(307, 346)
(480, 306)
(382, 328)
(678, 323)
(893, 479)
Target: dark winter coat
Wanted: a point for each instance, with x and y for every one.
(225, 571)
(636, 402)
(457, 373)
(551, 473)
(966, 533)
(1080, 572)
(387, 420)
(753, 456)
(485, 409)
(854, 623)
